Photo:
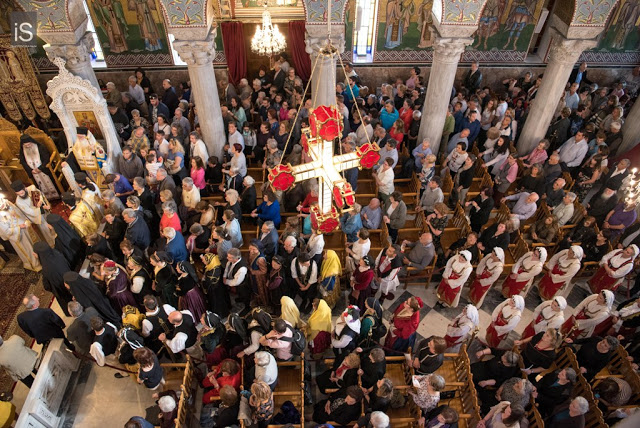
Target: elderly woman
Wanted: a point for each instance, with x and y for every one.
(524, 272)
(232, 203)
(351, 223)
(345, 375)
(533, 180)
(266, 368)
(268, 210)
(138, 121)
(569, 415)
(426, 391)
(537, 156)
(226, 373)
(395, 215)
(455, 275)
(273, 155)
(170, 217)
(505, 317)
(554, 388)
(561, 269)
(614, 266)
(198, 240)
(113, 95)
(248, 196)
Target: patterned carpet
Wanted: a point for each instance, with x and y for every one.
(15, 284)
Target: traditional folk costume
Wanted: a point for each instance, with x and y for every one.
(589, 317)
(387, 271)
(188, 289)
(82, 216)
(402, 332)
(10, 221)
(140, 278)
(504, 319)
(455, 275)
(620, 266)
(523, 272)
(329, 280)
(319, 328)
(461, 327)
(561, 270)
(487, 273)
(345, 335)
(31, 205)
(361, 280)
(218, 300)
(118, 290)
(544, 317)
(34, 158)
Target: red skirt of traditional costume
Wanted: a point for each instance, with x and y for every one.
(492, 337)
(530, 331)
(570, 327)
(602, 281)
(511, 287)
(477, 291)
(320, 343)
(547, 288)
(446, 293)
(452, 340)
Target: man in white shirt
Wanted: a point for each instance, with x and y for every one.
(235, 277)
(161, 145)
(564, 210)
(235, 136)
(384, 179)
(190, 194)
(105, 342)
(571, 97)
(184, 336)
(573, 151)
(136, 91)
(304, 271)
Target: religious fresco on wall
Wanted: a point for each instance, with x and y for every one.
(620, 40)
(317, 10)
(591, 12)
(52, 14)
(505, 30)
(461, 11)
(404, 31)
(132, 31)
(252, 9)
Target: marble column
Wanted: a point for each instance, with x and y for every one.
(77, 56)
(446, 55)
(326, 62)
(631, 129)
(563, 55)
(199, 54)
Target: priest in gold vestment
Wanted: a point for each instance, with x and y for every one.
(82, 217)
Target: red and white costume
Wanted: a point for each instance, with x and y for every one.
(589, 317)
(523, 272)
(455, 275)
(487, 273)
(620, 266)
(562, 269)
(461, 327)
(544, 317)
(504, 319)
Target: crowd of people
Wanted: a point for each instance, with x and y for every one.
(175, 265)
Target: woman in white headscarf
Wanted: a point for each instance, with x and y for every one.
(614, 266)
(461, 327)
(549, 314)
(455, 275)
(505, 318)
(590, 316)
(561, 269)
(487, 273)
(523, 272)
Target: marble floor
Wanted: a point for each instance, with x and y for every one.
(99, 398)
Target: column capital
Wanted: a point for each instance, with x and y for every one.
(73, 54)
(316, 38)
(567, 51)
(196, 52)
(449, 49)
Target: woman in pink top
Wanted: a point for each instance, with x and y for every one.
(538, 155)
(197, 172)
(284, 111)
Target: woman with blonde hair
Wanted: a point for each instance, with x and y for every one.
(290, 312)
(329, 279)
(344, 376)
(318, 330)
(261, 404)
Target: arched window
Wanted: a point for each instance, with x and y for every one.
(364, 30)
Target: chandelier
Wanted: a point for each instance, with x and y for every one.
(268, 40)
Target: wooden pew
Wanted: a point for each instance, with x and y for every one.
(594, 417)
(420, 276)
(513, 253)
(533, 415)
(465, 401)
(413, 228)
(478, 184)
(290, 388)
(619, 366)
(186, 404)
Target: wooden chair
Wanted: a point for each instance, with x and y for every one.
(619, 366)
(186, 402)
(458, 375)
(55, 161)
(513, 253)
(413, 228)
(479, 184)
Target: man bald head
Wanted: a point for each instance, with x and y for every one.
(175, 318)
(374, 203)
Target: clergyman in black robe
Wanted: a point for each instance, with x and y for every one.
(54, 266)
(87, 293)
(68, 242)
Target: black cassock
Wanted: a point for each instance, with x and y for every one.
(54, 266)
(88, 294)
(68, 242)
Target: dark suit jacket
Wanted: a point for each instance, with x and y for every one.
(270, 243)
(472, 81)
(80, 332)
(278, 80)
(574, 75)
(170, 99)
(41, 324)
(615, 182)
(162, 110)
(633, 321)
